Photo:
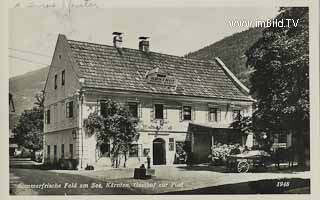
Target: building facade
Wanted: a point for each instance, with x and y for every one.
(180, 103)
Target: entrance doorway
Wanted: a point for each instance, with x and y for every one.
(159, 152)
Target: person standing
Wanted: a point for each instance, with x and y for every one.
(148, 161)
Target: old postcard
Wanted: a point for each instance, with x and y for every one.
(162, 99)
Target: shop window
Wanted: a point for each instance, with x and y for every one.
(69, 109)
(62, 151)
(158, 111)
(71, 151)
(187, 113)
(213, 114)
(63, 78)
(171, 144)
(133, 109)
(55, 81)
(181, 153)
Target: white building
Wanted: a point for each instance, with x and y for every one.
(177, 100)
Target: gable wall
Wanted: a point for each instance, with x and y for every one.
(56, 99)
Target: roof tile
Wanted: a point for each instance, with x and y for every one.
(106, 67)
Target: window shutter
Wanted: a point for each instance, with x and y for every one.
(181, 113)
(218, 114)
(98, 106)
(152, 113)
(126, 106)
(139, 110)
(165, 112)
(193, 113)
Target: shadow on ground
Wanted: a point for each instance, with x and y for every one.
(224, 169)
(296, 186)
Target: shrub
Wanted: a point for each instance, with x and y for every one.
(219, 153)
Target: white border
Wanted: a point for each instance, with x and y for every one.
(314, 91)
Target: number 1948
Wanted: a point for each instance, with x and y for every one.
(283, 184)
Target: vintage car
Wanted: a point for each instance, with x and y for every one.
(247, 160)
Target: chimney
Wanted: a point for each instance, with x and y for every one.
(144, 43)
(117, 39)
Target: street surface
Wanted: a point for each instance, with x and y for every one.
(201, 179)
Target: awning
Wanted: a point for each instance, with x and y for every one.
(208, 128)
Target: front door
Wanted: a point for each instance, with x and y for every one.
(159, 152)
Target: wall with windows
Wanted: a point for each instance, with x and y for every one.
(61, 86)
(66, 145)
(61, 115)
(175, 115)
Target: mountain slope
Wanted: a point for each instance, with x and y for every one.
(25, 87)
(231, 50)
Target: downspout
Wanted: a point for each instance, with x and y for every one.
(81, 124)
(81, 95)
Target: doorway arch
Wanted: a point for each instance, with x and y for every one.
(159, 151)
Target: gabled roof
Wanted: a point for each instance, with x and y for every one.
(106, 67)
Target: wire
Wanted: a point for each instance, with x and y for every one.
(30, 52)
(27, 60)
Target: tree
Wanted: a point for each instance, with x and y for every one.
(280, 81)
(29, 129)
(115, 124)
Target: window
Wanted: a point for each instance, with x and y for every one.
(63, 78)
(133, 109)
(186, 112)
(47, 116)
(48, 152)
(171, 144)
(105, 149)
(213, 114)
(71, 151)
(62, 151)
(282, 138)
(134, 150)
(158, 111)
(69, 109)
(103, 108)
(55, 151)
(236, 115)
(55, 81)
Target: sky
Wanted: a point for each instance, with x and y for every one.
(33, 32)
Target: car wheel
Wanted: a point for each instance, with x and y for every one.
(243, 167)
